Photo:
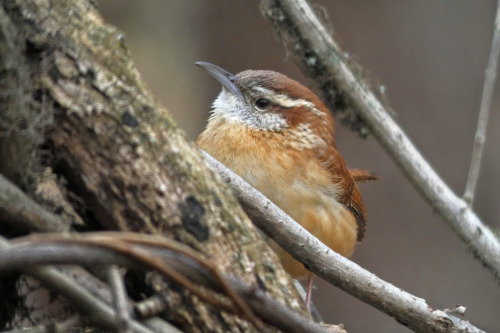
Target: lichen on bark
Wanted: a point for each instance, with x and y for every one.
(112, 155)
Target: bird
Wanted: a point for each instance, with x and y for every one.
(279, 136)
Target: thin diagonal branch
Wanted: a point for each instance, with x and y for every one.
(322, 59)
(334, 268)
(484, 111)
(21, 212)
(102, 314)
(263, 305)
(91, 249)
(122, 313)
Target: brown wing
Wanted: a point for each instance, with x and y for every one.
(335, 164)
(350, 196)
(323, 125)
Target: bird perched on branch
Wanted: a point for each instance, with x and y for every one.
(279, 136)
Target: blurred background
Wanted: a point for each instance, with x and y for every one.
(429, 55)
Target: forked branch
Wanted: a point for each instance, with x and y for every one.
(334, 268)
(321, 58)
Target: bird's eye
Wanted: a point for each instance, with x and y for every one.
(262, 103)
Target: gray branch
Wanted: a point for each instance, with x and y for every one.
(322, 59)
(407, 309)
(484, 111)
(29, 254)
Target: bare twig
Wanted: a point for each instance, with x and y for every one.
(280, 316)
(120, 304)
(81, 246)
(484, 111)
(89, 249)
(99, 289)
(182, 250)
(17, 209)
(157, 263)
(151, 306)
(334, 268)
(322, 59)
(99, 312)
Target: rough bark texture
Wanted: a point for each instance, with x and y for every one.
(82, 135)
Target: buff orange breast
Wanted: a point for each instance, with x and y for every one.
(279, 136)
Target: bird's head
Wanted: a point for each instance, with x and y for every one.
(269, 101)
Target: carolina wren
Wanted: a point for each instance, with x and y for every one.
(279, 136)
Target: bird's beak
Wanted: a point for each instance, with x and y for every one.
(225, 78)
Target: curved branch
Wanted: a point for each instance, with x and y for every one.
(149, 252)
(34, 217)
(322, 59)
(115, 155)
(407, 309)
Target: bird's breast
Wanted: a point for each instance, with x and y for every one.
(291, 178)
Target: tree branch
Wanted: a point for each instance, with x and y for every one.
(484, 111)
(115, 154)
(264, 306)
(122, 311)
(407, 309)
(321, 58)
(140, 251)
(21, 212)
(86, 292)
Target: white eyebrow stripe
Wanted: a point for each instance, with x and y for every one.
(262, 90)
(287, 102)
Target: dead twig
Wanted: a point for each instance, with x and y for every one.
(321, 58)
(115, 279)
(21, 212)
(334, 268)
(484, 111)
(95, 248)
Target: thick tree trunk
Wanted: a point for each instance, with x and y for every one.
(81, 134)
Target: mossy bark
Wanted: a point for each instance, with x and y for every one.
(82, 135)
